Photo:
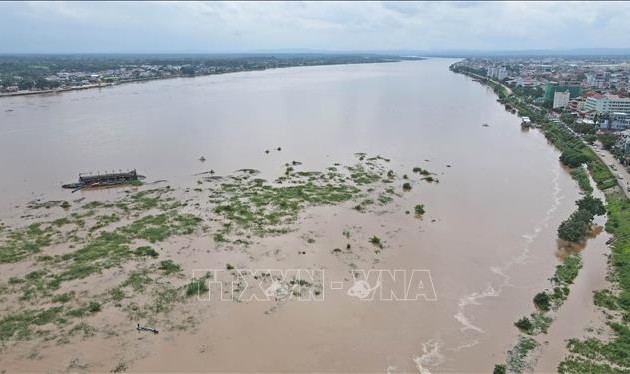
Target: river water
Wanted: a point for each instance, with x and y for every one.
(488, 238)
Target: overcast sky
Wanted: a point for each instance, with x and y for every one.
(243, 26)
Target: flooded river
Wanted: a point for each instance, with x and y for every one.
(488, 238)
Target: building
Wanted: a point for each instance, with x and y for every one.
(577, 104)
(625, 142)
(615, 121)
(561, 99)
(607, 104)
(526, 82)
(575, 90)
(498, 72)
(596, 79)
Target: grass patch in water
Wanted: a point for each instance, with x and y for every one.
(581, 177)
(22, 243)
(168, 267)
(196, 287)
(22, 325)
(517, 357)
(138, 280)
(259, 207)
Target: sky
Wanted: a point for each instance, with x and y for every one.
(169, 27)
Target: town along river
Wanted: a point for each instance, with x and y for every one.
(488, 237)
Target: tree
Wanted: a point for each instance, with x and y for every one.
(524, 324)
(584, 128)
(26, 84)
(609, 140)
(542, 301)
(573, 158)
(592, 205)
(575, 227)
(188, 70)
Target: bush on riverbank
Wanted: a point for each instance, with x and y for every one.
(576, 227)
(573, 158)
(581, 177)
(542, 301)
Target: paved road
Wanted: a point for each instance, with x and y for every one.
(619, 171)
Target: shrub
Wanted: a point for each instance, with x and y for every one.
(146, 251)
(592, 205)
(524, 324)
(196, 286)
(375, 240)
(406, 186)
(169, 267)
(542, 301)
(94, 307)
(573, 158)
(419, 209)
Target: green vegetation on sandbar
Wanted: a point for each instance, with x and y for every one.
(257, 206)
(100, 240)
(254, 206)
(168, 267)
(196, 287)
(581, 177)
(22, 243)
(517, 357)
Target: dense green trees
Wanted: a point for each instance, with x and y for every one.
(573, 158)
(542, 301)
(592, 205)
(575, 228)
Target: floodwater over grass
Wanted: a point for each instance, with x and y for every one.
(338, 169)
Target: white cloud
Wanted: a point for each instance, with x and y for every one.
(224, 26)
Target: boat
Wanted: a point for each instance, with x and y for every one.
(149, 329)
(103, 180)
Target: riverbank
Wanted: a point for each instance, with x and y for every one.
(592, 354)
(378, 108)
(147, 79)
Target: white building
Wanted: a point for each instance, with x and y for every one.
(596, 79)
(498, 72)
(561, 99)
(607, 104)
(616, 121)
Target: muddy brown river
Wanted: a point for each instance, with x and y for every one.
(487, 241)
